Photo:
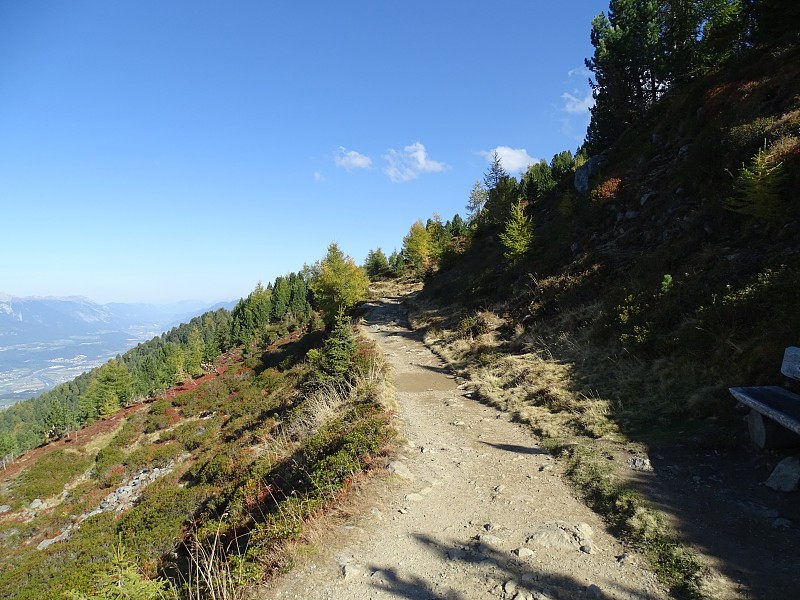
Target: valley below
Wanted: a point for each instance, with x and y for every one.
(29, 368)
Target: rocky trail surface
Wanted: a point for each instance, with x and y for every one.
(474, 509)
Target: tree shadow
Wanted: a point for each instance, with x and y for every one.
(516, 448)
(503, 574)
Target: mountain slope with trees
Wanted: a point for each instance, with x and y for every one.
(237, 428)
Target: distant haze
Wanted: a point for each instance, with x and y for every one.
(45, 341)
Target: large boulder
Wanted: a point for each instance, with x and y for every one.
(583, 174)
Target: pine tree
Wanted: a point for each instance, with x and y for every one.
(495, 173)
(376, 265)
(518, 234)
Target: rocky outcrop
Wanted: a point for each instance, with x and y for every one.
(119, 500)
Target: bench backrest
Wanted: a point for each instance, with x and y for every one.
(791, 363)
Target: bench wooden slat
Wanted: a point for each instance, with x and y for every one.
(777, 403)
(791, 363)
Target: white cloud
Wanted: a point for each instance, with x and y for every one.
(319, 177)
(350, 159)
(409, 163)
(513, 160)
(577, 105)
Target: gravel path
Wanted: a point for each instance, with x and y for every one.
(475, 508)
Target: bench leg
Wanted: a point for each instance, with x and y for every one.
(766, 433)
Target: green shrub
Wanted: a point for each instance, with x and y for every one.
(759, 188)
(130, 431)
(106, 460)
(154, 526)
(48, 475)
(152, 455)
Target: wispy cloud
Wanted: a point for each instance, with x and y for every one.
(573, 113)
(514, 160)
(319, 177)
(350, 159)
(577, 105)
(579, 72)
(410, 162)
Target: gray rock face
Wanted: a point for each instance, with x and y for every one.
(119, 500)
(786, 475)
(584, 173)
(640, 463)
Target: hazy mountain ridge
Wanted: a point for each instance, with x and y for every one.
(32, 317)
(49, 340)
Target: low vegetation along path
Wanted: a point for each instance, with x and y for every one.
(475, 509)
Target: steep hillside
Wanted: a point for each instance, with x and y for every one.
(215, 477)
(651, 261)
(662, 272)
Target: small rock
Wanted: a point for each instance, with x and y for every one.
(4, 508)
(455, 554)
(522, 552)
(36, 504)
(781, 523)
(400, 469)
(587, 549)
(350, 571)
(510, 588)
(784, 478)
(488, 538)
(640, 463)
(594, 592)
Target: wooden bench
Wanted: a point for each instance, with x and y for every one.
(774, 419)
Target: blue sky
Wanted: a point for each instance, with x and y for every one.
(157, 151)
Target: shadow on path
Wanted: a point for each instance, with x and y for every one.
(499, 568)
(515, 448)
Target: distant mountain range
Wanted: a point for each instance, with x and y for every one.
(45, 341)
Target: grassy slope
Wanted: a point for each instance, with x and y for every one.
(256, 452)
(641, 303)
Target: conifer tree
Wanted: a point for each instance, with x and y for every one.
(517, 236)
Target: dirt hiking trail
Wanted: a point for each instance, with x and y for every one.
(474, 509)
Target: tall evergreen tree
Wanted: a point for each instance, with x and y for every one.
(495, 173)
